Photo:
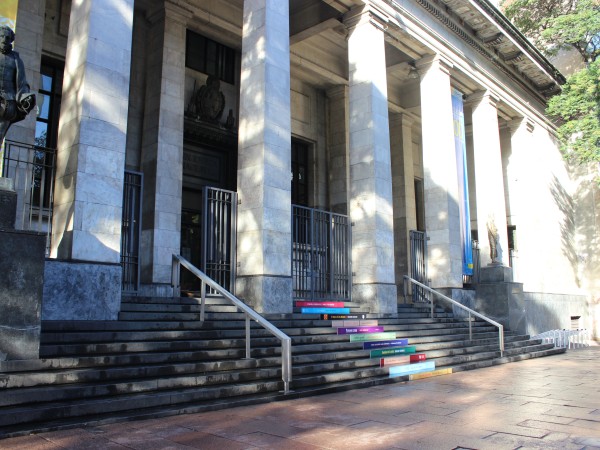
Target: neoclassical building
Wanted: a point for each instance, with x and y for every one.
(250, 136)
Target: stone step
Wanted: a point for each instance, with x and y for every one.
(232, 346)
(212, 321)
(160, 361)
(105, 331)
(507, 359)
(35, 412)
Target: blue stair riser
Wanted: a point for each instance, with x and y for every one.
(393, 351)
(356, 330)
(385, 344)
(409, 369)
(325, 310)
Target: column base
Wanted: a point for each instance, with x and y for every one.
(81, 291)
(266, 294)
(22, 269)
(376, 298)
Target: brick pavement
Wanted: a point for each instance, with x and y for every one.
(545, 403)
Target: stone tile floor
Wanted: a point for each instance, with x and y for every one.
(545, 403)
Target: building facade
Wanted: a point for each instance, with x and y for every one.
(342, 108)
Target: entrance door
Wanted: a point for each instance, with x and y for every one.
(208, 216)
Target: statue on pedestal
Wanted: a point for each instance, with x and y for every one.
(15, 99)
(493, 237)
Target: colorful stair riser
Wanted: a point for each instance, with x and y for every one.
(392, 352)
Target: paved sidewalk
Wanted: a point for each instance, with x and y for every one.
(545, 403)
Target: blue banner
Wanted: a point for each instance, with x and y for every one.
(460, 146)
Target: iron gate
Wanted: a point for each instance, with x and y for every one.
(418, 264)
(218, 258)
(131, 224)
(320, 255)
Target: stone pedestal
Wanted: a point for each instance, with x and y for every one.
(499, 298)
(495, 273)
(8, 204)
(22, 268)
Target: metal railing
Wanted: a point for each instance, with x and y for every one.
(565, 338)
(286, 342)
(32, 169)
(418, 264)
(321, 255)
(408, 280)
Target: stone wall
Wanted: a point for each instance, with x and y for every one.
(81, 291)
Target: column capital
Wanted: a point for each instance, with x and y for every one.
(478, 97)
(169, 10)
(366, 14)
(339, 91)
(525, 122)
(438, 61)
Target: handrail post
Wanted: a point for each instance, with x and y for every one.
(247, 336)
(202, 301)
(470, 328)
(404, 285)
(175, 270)
(286, 364)
(431, 303)
(501, 336)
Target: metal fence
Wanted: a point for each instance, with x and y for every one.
(131, 226)
(218, 259)
(32, 169)
(418, 265)
(321, 249)
(565, 338)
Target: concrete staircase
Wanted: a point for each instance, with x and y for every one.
(156, 360)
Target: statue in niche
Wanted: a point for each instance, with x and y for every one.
(230, 121)
(493, 237)
(15, 99)
(208, 102)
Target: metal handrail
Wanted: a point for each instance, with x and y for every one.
(408, 279)
(286, 342)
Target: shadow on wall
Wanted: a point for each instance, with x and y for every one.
(566, 205)
(580, 236)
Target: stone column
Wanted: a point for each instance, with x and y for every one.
(162, 147)
(338, 149)
(489, 181)
(264, 159)
(442, 217)
(91, 155)
(403, 182)
(370, 166)
(519, 194)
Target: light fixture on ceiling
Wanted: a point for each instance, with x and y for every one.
(413, 73)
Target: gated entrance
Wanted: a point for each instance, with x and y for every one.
(320, 255)
(418, 264)
(131, 223)
(208, 235)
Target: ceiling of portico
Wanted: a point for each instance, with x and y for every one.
(318, 44)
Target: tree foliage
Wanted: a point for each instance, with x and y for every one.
(553, 25)
(577, 108)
